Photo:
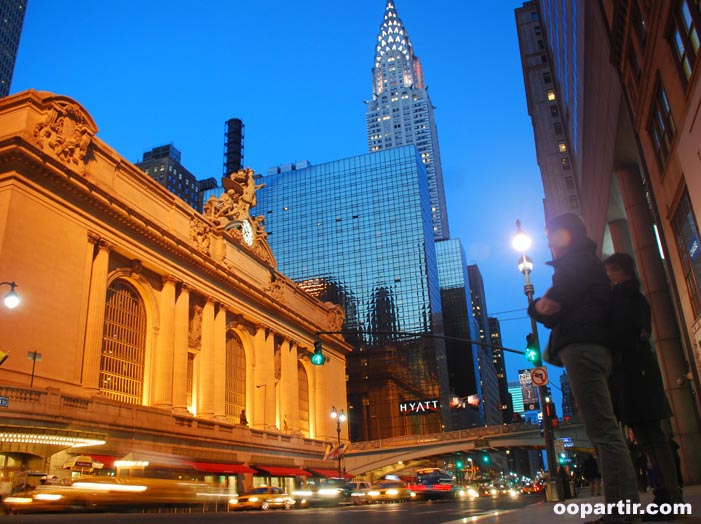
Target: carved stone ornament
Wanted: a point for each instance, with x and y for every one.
(66, 133)
(199, 235)
(336, 317)
(230, 212)
(276, 289)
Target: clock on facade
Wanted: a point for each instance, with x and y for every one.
(247, 232)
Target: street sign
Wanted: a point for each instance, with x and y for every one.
(539, 376)
(4, 402)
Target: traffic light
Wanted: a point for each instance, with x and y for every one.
(532, 350)
(562, 458)
(485, 458)
(458, 464)
(550, 410)
(318, 357)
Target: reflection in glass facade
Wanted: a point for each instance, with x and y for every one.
(358, 232)
(457, 315)
(491, 401)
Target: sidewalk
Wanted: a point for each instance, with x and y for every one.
(542, 512)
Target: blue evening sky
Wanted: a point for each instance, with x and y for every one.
(297, 73)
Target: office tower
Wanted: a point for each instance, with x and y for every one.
(554, 112)
(401, 112)
(487, 373)
(568, 410)
(507, 409)
(163, 165)
(458, 322)
(233, 146)
(358, 232)
(12, 18)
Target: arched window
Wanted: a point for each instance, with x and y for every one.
(123, 344)
(235, 389)
(303, 385)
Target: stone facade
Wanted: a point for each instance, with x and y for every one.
(104, 258)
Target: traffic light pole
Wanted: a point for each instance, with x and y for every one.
(548, 431)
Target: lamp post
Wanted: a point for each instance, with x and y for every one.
(12, 298)
(265, 401)
(338, 417)
(522, 242)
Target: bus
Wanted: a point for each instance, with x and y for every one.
(434, 483)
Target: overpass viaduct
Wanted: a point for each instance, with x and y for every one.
(373, 454)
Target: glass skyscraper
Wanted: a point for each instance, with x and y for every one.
(12, 17)
(358, 232)
(458, 322)
(401, 111)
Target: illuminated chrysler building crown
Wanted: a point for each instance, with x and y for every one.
(395, 63)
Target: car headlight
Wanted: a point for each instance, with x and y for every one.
(392, 491)
(412, 494)
(327, 491)
(302, 493)
(373, 493)
(48, 496)
(233, 501)
(472, 493)
(253, 499)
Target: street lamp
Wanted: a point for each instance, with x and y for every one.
(338, 417)
(265, 401)
(522, 242)
(12, 298)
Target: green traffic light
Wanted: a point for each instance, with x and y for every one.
(532, 350)
(318, 357)
(458, 464)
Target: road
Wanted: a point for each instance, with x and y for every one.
(438, 512)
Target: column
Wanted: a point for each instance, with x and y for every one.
(205, 386)
(96, 315)
(220, 363)
(180, 349)
(289, 398)
(666, 337)
(263, 377)
(162, 371)
(620, 236)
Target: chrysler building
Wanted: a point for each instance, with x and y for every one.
(401, 113)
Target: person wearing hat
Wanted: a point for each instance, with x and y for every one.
(575, 308)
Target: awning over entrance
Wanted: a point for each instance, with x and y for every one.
(215, 467)
(327, 472)
(277, 471)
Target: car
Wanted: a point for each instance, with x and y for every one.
(386, 491)
(331, 491)
(263, 498)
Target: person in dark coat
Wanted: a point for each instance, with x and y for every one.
(640, 401)
(590, 471)
(575, 308)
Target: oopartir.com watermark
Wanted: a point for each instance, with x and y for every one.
(587, 509)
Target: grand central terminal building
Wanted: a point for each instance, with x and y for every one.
(145, 328)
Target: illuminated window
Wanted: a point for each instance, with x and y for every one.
(123, 344)
(551, 95)
(562, 146)
(303, 388)
(235, 382)
(686, 232)
(684, 37)
(661, 126)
